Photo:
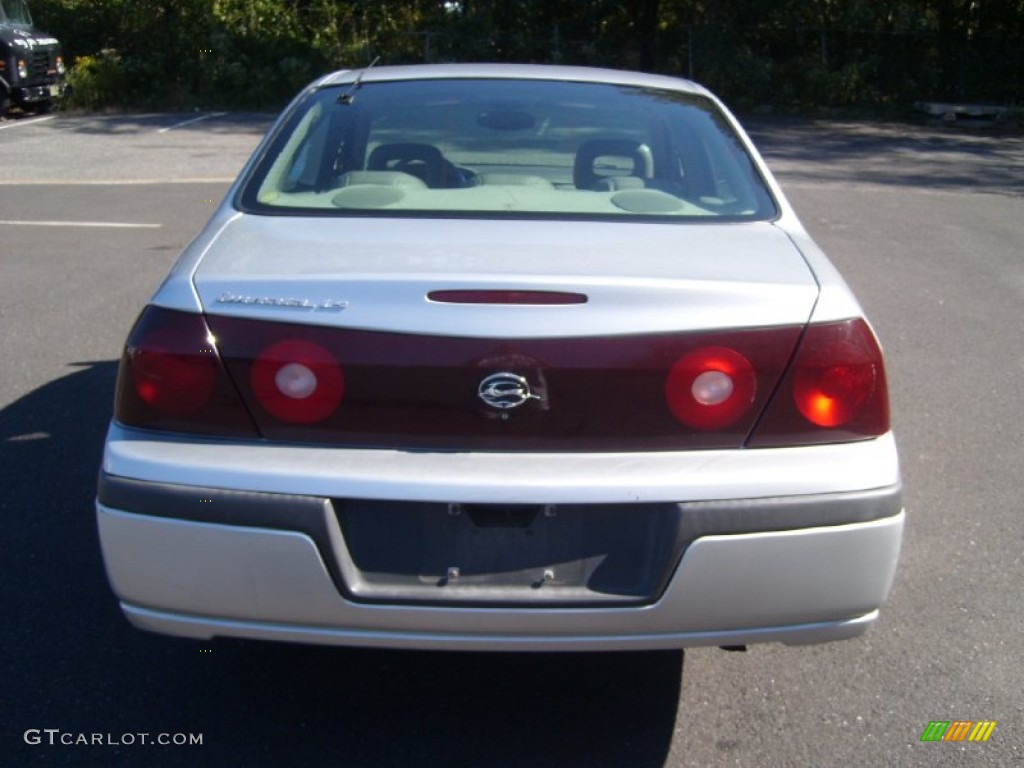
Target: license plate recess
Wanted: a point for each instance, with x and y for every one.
(527, 554)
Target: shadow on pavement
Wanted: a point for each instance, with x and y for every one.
(891, 154)
(74, 664)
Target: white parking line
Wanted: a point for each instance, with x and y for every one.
(20, 123)
(107, 224)
(190, 121)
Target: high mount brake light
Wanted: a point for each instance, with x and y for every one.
(171, 378)
(533, 298)
(835, 390)
(710, 388)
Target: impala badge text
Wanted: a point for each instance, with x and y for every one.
(290, 302)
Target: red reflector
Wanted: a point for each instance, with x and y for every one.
(507, 297)
(172, 374)
(710, 388)
(298, 381)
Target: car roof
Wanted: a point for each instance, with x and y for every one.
(511, 71)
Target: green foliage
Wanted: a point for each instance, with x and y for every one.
(791, 53)
(96, 81)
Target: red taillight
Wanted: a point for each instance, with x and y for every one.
(171, 378)
(297, 381)
(343, 386)
(171, 374)
(710, 388)
(831, 396)
(834, 391)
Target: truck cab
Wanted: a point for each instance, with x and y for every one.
(31, 63)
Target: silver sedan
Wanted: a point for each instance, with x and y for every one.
(502, 357)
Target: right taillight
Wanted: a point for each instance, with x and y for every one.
(171, 378)
(834, 390)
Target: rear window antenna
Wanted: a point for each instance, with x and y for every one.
(350, 95)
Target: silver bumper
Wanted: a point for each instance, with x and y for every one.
(246, 574)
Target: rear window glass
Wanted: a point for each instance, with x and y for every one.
(519, 148)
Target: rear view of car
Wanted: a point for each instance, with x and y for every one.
(502, 357)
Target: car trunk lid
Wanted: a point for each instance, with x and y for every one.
(636, 277)
(465, 335)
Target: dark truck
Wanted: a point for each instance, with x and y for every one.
(31, 64)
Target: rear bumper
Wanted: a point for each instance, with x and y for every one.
(202, 561)
(202, 628)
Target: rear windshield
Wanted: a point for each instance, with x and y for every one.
(507, 148)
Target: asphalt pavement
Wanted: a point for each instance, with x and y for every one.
(925, 222)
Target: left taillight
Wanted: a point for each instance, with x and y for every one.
(171, 378)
